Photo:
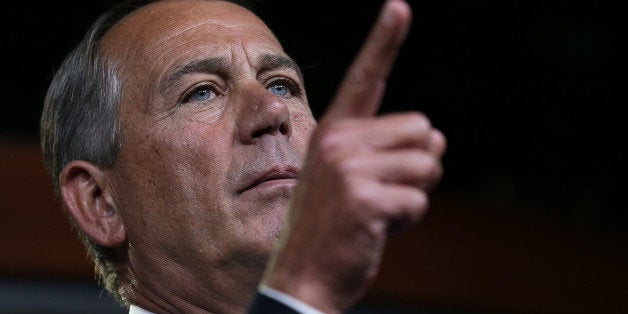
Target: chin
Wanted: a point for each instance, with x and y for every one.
(265, 208)
(262, 218)
(258, 248)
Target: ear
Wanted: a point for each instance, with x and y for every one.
(89, 200)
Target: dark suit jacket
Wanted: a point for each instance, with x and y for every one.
(264, 305)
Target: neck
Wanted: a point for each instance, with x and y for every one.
(169, 287)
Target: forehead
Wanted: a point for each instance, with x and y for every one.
(168, 32)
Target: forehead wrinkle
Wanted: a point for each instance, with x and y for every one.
(218, 25)
(172, 48)
(175, 36)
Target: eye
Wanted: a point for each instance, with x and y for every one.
(282, 88)
(200, 94)
(279, 89)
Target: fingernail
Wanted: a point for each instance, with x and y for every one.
(387, 15)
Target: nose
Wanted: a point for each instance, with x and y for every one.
(260, 113)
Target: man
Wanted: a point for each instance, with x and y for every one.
(180, 139)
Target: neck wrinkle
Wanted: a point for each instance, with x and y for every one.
(226, 288)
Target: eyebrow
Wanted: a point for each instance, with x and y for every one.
(209, 65)
(267, 62)
(270, 62)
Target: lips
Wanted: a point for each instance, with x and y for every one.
(276, 173)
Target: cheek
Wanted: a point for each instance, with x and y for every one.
(166, 186)
(170, 162)
(303, 125)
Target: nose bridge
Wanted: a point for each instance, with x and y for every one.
(260, 113)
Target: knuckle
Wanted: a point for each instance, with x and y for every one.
(361, 77)
(361, 197)
(426, 164)
(421, 202)
(433, 174)
(330, 139)
(410, 211)
(438, 142)
(420, 121)
(347, 165)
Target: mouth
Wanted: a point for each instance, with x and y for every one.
(274, 176)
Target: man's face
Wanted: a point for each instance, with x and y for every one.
(215, 125)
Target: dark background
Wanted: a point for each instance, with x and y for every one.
(531, 94)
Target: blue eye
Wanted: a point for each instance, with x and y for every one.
(201, 94)
(279, 89)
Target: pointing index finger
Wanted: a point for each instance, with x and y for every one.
(363, 86)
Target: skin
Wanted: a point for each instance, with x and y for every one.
(379, 170)
(196, 235)
(210, 158)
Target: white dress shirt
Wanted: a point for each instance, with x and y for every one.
(281, 297)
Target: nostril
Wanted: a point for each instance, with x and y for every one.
(284, 129)
(267, 130)
(260, 116)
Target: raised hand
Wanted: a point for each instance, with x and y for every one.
(365, 175)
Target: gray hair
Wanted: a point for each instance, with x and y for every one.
(80, 121)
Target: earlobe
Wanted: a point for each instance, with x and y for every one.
(88, 198)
